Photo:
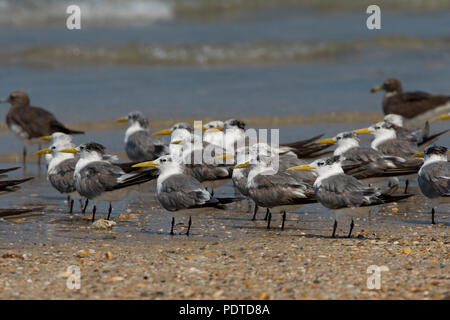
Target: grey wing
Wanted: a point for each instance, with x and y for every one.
(398, 147)
(142, 146)
(96, 178)
(340, 191)
(204, 172)
(356, 156)
(434, 180)
(306, 177)
(280, 189)
(181, 191)
(62, 177)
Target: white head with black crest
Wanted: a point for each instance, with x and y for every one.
(234, 124)
(325, 168)
(435, 154)
(345, 141)
(382, 132)
(137, 122)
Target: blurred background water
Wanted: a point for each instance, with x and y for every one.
(202, 58)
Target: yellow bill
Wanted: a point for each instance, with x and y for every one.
(122, 119)
(69, 150)
(214, 130)
(418, 155)
(243, 165)
(442, 117)
(45, 138)
(326, 141)
(145, 164)
(42, 151)
(363, 131)
(164, 132)
(303, 167)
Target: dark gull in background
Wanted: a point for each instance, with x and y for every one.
(417, 106)
(30, 123)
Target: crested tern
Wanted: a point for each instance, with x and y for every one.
(272, 188)
(343, 193)
(175, 190)
(434, 176)
(140, 144)
(100, 180)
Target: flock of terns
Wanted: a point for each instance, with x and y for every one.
(202, 157)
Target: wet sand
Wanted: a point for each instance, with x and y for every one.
(227, 256)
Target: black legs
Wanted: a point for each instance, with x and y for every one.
(269, 217)
(172, 225)
(333, 235)
(109, 211)
(70, 204)
(406, 186)
(24, 157)
(94, 209)
(352, 225)
(85, 206)
(284, 219)
(189, 226)
(267, 214)
(351, 229)
(254, 212)
(432, 215)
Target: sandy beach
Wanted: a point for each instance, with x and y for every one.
(227, 256)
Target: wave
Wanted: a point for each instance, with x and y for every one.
(132, 12)
(142, 54)
(52, 12)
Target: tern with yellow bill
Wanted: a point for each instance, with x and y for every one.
(61, 167)
(368, 163)
(272, 188)
(434, 176)
(344, 194)
(140, 144)
(100, 180)
(387, 142)
(177, 191)
(420, 136)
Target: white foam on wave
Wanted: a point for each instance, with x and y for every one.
(129, 12)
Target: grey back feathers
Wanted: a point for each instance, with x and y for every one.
(434, 179)
(142, 146)
(96, 178)
(61, 177)
(181, 191)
